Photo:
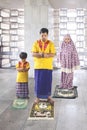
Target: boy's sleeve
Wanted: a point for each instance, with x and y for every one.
(27, 66)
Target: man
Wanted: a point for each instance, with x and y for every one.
(43, 51)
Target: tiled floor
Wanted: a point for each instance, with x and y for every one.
(70, 114)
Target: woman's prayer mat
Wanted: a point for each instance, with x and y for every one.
(65, 93)
(41, 110)
(20, 103)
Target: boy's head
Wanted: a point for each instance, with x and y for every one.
(44, 34)
(23, 55)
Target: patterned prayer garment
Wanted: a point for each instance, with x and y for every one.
(69, 62)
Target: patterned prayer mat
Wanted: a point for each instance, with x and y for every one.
(65, 93)
(85, 68)
(41, 110)
(20, 103)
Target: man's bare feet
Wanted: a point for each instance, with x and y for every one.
(50, 101)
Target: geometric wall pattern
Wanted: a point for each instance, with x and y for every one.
(72, 21)
(11, 36)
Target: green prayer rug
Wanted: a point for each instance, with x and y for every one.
(42, 110)
(65, 93)
(20, 103)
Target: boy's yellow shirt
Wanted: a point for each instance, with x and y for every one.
(22, 76)
(43, 63)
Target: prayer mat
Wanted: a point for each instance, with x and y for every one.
(85, 68)
(65, 93)
(41, 110)
(20, 103)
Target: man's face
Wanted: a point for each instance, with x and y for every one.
(44, 36)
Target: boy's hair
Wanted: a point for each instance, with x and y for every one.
(23, 55)
(44, 30)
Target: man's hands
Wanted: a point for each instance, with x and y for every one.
(43, 55)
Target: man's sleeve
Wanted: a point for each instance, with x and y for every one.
(53, 50)
(34, 48)
(17, 66)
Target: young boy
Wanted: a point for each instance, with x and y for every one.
(22, 67)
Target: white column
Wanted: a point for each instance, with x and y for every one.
(36, 17)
